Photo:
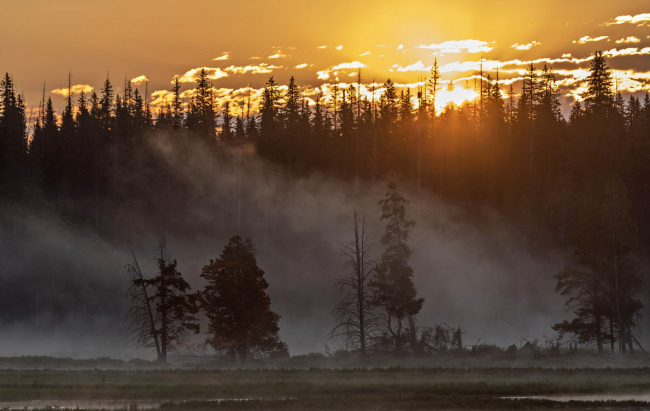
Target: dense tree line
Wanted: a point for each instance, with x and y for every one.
(561, 181)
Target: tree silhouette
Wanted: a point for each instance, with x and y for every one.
(393, 289)
(357, 322)
(237, 305)
(162, 311)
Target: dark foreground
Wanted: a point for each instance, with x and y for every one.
(328, 389)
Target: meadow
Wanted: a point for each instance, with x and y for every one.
(74, 384)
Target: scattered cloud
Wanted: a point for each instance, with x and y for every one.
(302, 66)
(139, 80)
(211, 72)
(639, 19)
(458, 46)
(323, 74)
(629, 39)
(278, 55)
(364, 54)
(75, 89)
(419, 66)
(224, 56)
(566, 55)
(253, 69)
(630, 51)
(587, 39)
(339, 47)
(350, 65)
(400, 47)
(161, 98)
(321, 47)
(526, 46)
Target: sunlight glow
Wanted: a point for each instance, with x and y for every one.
(458, 46)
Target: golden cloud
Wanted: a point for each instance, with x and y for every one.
(75, 89)
(587, 39)
(629, 39)
(277, 55)
(526, 46)
(139, 80)
(301, 66)
(630, 51)
(262, 68)
(192, 75)
(350, 65)
(419, 66)
(224, 56)
(458, 46)
(638, 19)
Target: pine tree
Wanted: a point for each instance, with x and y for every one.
(13, 137)
(393, 289)
(237, 304)
(599, 95)
(226, 135)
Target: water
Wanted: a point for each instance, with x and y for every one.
(109, 405)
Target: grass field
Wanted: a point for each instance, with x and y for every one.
(394, 388)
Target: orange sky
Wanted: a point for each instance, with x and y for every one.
(43, 40)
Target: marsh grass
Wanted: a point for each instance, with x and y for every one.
(344, 389)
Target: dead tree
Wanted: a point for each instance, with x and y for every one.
(162, 311)
(142, 325)
(356, 320)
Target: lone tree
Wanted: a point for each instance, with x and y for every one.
(357, 322)
(393, 289)
(162, 309)
(237, 305)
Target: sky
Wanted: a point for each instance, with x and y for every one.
(241, 44)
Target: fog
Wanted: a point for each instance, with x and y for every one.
(63, 287)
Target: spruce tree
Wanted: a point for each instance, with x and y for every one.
(392, 283)
(240, 320)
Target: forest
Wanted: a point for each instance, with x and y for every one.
(110, 167)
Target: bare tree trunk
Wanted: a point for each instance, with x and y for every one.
(412, 331)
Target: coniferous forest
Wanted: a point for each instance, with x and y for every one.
(114, 173)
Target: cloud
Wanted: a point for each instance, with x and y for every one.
(639, 19)
(419, 66)
(139, 80)
(75, 89)
(458, 46)
(630, 51)
(400, 47)
(277, 55)
(161, 98)
(253, 69)
(364, 54)
(192, 75)
(323, 74)
(629, 39)
(301, 66)
(526, 46)
(339, 47)
(587, 39)
(321, 47)
(224, 56)
(350, 65)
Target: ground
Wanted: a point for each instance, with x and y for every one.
(141, 385)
